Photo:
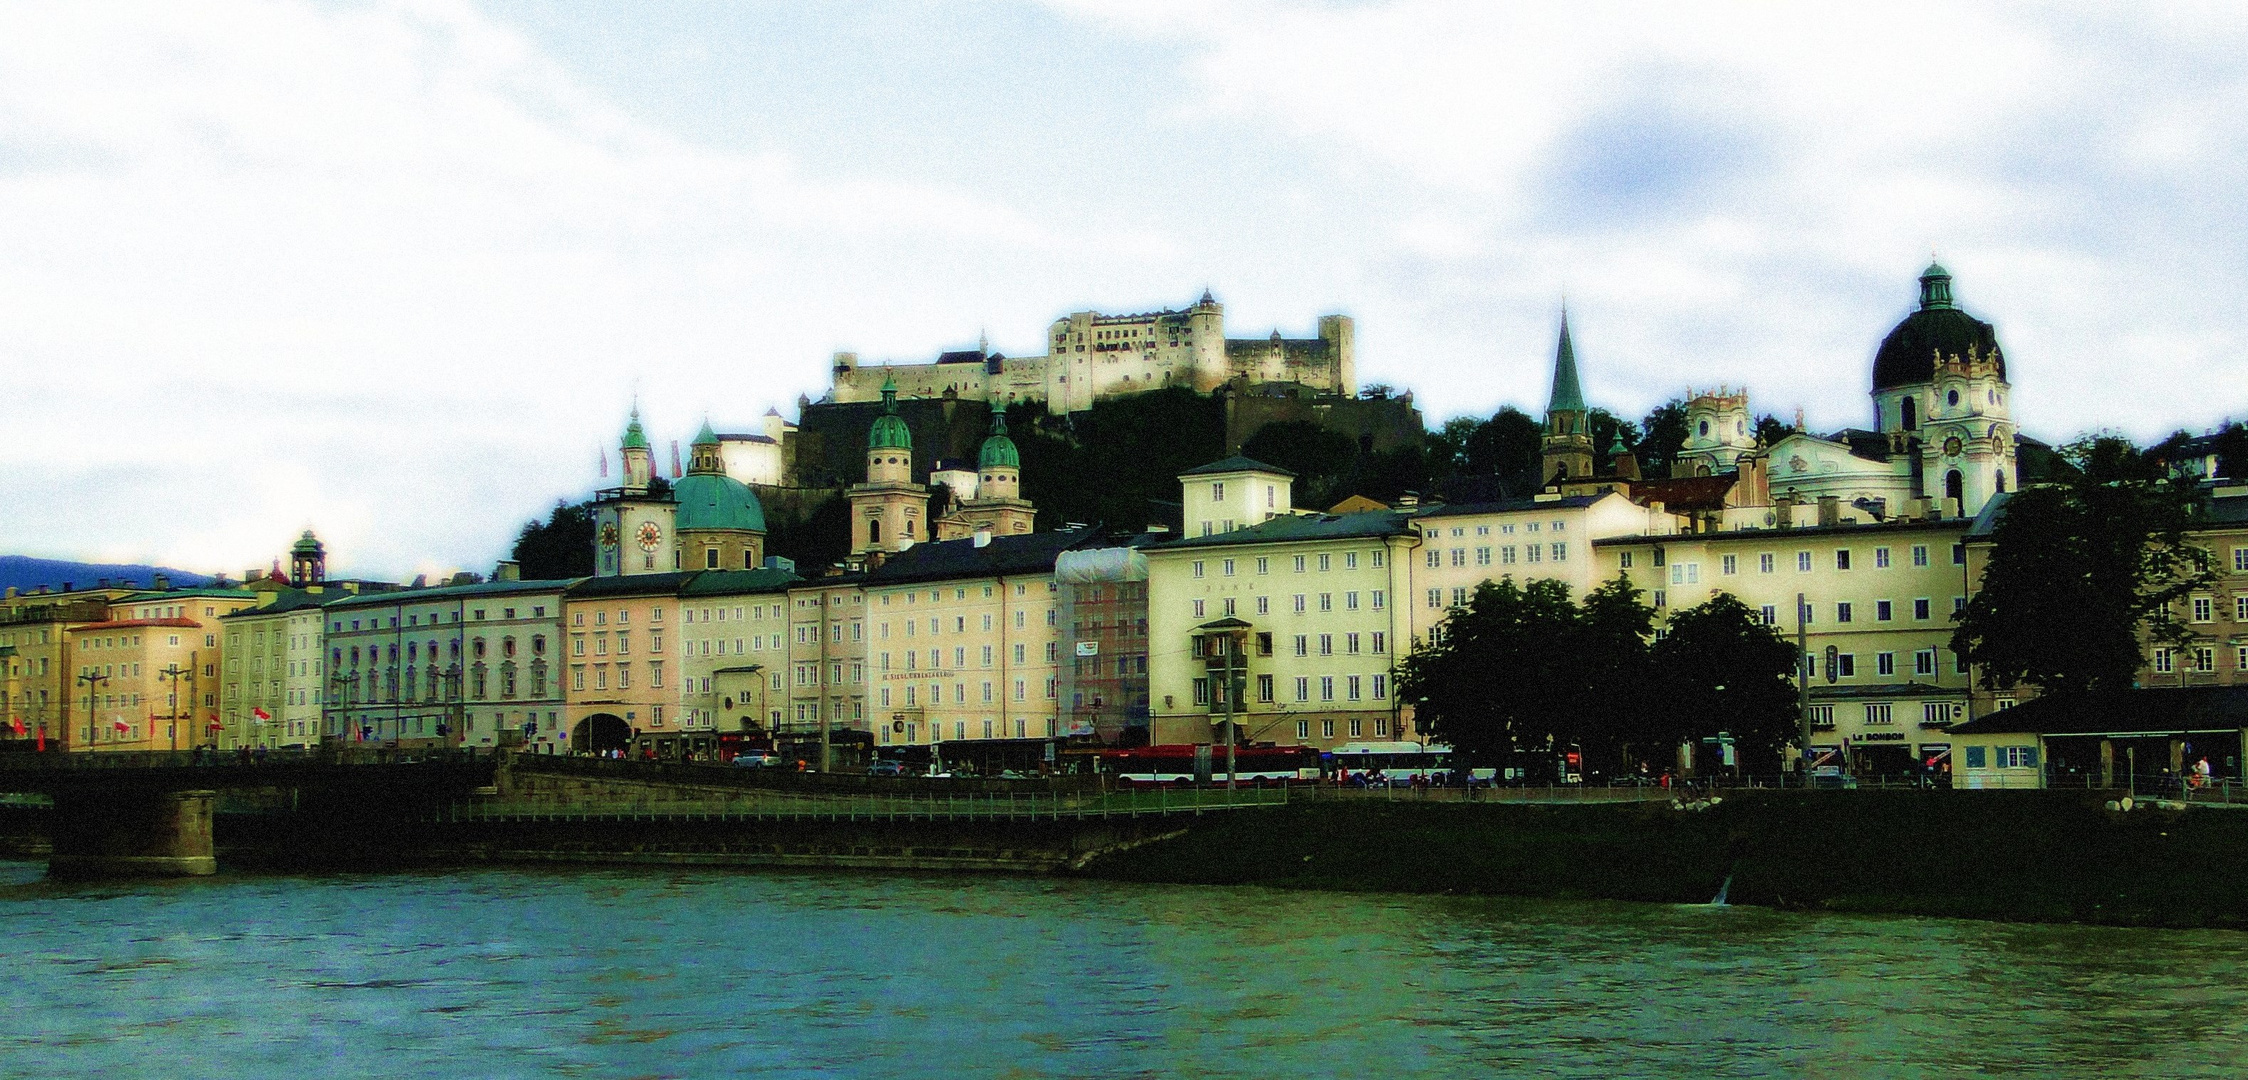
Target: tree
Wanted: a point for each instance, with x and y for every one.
(1324, 461)
(1662, 436)
(1771, 429)
(559, 547)
(2079, 567)
(1493, 676)
(1520, 669)
(1720, 669)
(1606, 428)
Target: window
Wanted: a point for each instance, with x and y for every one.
(1326, 644)
(1959, 554)
(1803, 562)
(1685, 573)
(1924, 662)
(1920, 555)
(1197, 568)
(2016, 757)
(2204, 658)
(1878, 714)
(2162, 661)
(1264, 605)
(1459, 556)
(1885, 663)
(1326, 601)
(1226, 567)
(1198, 606)
(1764, 563)
(1327, 690)
(1560, 552)
(1303, 688)
(1303, 730)
(1375, 599)
(2204, 609)
(1770, 615)
(1300, 564)
(1435, 558)
(1325, 562)
(1845, 665)
(2240, 560)
(2240, 607)
(1483, 556)
(1934, 713)
(1303, 645)
(1299, 603)
(1264, 688)
(1822, 717)
(1883, 611)
(1506, 555)
(1842, 558)
(1375, 558)
(1729, 565)
(1459, 597)
(1264, 564)
(1881, 558)
(1381, 644)
(1436, 598)
(1623, 559)
(1920, 608)
(1842, 612)
(1227, 605)
(1532, 552)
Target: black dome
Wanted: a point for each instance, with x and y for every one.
(1908, 354)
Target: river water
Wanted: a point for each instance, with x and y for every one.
(687, 973)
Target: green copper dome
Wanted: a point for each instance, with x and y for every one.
(705, 437)
(634, 438)
(307, 544)
(716, 501)
(889, 431)
(999, 450)
(1907, 356)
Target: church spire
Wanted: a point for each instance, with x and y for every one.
(1568, 395)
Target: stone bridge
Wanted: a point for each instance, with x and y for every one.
(155, 813)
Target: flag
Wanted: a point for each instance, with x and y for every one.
(16, 722)
(675, 459)
(121, 726)
(260, 713)
(604, 463)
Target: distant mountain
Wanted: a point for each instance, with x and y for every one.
(24, 572)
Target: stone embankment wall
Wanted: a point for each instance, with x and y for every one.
(2015, 855)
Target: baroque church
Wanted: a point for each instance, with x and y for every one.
(706, 520)
(1943, 440)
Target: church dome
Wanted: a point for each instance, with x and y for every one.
(1908, 355)
(889, 431)
(999, 451)
(716, 501)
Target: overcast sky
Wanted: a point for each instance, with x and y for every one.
(393, 272)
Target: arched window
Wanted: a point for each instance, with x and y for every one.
(1952, 398)
(1955, 485)
(1905, 414)
(1998, 481)
(874, 530)
(1704, 427)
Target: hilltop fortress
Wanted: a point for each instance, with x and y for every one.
(1091, 357)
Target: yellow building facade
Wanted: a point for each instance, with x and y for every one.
(37, 675)
(624, 672)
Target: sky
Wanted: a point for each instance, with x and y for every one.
(395, 272)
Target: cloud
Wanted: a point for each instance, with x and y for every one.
(271, 265)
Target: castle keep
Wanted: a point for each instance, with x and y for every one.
(1091, 356)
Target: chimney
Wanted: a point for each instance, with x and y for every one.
(67, 586)
(248, 576)
(162, 583)
(11, 592)
(1830, 510)
(1407, 500)
(777, 562)
(983, 537)
(508, 570)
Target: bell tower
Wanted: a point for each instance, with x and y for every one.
(1567, 442)
(632, 524)
(887, 510)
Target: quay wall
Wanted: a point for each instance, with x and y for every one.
(2041, 856)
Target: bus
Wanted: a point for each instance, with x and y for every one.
(1176, 764)
(1400, 762)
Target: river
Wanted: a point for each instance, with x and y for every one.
(687, 973)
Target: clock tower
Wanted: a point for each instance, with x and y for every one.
(632, 524)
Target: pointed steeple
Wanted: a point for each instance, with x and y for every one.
(634, 438)
(1568, 395)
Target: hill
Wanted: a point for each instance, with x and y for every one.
(25, 572)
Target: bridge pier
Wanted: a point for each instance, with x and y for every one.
(128, 831)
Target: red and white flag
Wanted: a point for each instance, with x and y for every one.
(15, 723)
(260, 713)
(121, 726)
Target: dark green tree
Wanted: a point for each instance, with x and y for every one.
(818, 540)
(559, 547)
(1325, 462)
(1617, 728)
(1662, 436)
(1771, 429)
(1718, 668)
(2080, 567)
(1605, 427)
(1492, 678)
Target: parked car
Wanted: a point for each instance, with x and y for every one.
(756, 759)
(885, 767)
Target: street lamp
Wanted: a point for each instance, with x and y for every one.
(91, 679)
(174, 673)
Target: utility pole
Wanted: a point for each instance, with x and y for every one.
(91, 679)
(1803, 684)
(174, 672)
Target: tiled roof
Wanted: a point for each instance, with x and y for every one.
(2171, 710)
(632, 585)
(1508, 506)
(739, 582)
(944, 560)
(1235, 464)
(450, 592)
(1684, 492)
(1297, 528)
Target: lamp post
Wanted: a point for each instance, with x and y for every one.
(174, 673)
(91, 679)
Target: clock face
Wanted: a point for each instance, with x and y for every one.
(651, 534)
(609, 535)
(1952, 446)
